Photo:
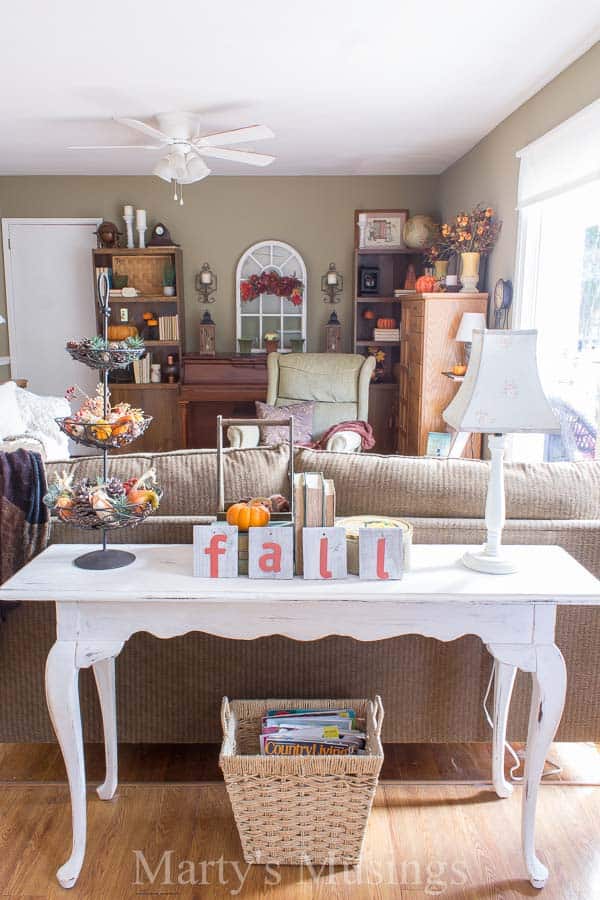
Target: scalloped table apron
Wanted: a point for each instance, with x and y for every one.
(514, 615)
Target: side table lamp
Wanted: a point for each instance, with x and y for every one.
(468, 324)
(501, 394)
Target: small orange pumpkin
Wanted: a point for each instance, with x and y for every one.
(247, 515)
(369, 314)
(386, 323)
(120, 332)
(425, 284)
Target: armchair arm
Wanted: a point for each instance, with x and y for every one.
(243, 436)
(345, 442)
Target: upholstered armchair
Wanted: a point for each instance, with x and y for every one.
(338, 383)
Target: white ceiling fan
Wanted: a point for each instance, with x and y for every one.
(178, 132)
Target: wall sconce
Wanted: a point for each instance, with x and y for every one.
(331, 284)
(206, 284)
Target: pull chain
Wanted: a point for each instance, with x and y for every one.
(181, 195)
(175, 194)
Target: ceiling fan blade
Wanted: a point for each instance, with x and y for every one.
(148, 130)
(237, 136)
(117, 147)
(242, 156)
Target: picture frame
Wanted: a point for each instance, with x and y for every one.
(438, 444)
(380, 229)
(369, 280)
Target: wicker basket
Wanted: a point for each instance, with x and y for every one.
(299, 810)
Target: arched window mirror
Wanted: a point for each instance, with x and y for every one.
(271, 294)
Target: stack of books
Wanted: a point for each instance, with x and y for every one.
(141, 369)
(383, 335)
(402, 292)
(314, 507)
(311, 732)
(168, 328)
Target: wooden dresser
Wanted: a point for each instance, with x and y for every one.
(427, 349)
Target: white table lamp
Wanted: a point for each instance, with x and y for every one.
(469, 323)
(501, 394)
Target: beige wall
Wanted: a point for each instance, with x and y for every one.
(489, 172)
(221, 217)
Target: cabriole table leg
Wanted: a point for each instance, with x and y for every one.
(62, 695)
(104, 673)
(504, 679)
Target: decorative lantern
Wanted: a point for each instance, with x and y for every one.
(206, 284)
(331, 284)
(333, 334)
(207, 336)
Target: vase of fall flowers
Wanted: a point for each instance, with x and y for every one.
(471, 235)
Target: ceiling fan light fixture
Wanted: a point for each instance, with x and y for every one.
(196, 169)
(163, 169)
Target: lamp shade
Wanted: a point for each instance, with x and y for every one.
(469, 323)
(502, 392)
(2, 319)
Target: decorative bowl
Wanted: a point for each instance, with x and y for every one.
(105, 358)
(90, 434)
(83, 515)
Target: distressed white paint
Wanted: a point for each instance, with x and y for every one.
(324, 553)
(380, 553)
(215, 550)
(271, 552)
(514, 616)
(346, 89)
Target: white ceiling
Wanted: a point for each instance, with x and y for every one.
(348, 87)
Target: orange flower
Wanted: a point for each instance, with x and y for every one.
(480, 229)
(489, 212)
(468, 235)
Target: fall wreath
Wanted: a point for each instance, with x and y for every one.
(272, 283)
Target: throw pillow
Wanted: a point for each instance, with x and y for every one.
(11, 420)
(279, 434)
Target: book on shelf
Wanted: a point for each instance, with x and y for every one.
(168, 328)
(386, 334)
(141, 369)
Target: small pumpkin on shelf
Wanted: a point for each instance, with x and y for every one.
(121, 332)
(425, 284)
(369, 314)
(247, 515)
(386, 323)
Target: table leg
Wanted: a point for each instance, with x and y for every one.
(547, 702)
(104, 673)
(504, 679)
(62, 695)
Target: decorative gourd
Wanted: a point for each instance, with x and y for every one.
(425, 284)
(386, 323)
(247, 515)
(121, 332)
(369, 314)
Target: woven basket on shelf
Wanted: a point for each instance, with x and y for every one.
(300, 809)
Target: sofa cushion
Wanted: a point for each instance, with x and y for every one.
(11, 421)
(189, 477)
(418, 486)
(302, 412)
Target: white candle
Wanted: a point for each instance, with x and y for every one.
(206, 277)
(127, 211)
(332, 278)
(140, 218)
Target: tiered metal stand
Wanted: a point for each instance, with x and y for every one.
(105, 361)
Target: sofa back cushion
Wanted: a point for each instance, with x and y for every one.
(418, 486)
(189, 477)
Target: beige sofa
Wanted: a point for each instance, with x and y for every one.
(170, 690)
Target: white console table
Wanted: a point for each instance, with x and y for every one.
(97, 612)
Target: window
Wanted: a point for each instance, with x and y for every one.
(268, 313)
(558, 282)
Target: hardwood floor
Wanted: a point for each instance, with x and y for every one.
(454, 840)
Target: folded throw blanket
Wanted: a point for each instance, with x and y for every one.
(24, 518)
(361, 428)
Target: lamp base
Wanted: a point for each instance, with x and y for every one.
(493, 565)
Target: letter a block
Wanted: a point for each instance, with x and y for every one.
(380, 553)
(324, 552)
(216, 551)
(270, 552)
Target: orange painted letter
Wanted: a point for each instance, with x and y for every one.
(324, 548)
(214, 550)
(271, 562)
(381, 573)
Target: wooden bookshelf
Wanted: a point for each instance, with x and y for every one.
(144, 269)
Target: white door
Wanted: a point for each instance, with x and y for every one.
(50, 299)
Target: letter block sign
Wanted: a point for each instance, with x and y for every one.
(324, 552)
(380, 553)
(271, 552)
(216, 551)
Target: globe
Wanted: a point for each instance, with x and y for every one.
(419, 232)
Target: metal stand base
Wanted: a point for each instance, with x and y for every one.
(104, 559)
